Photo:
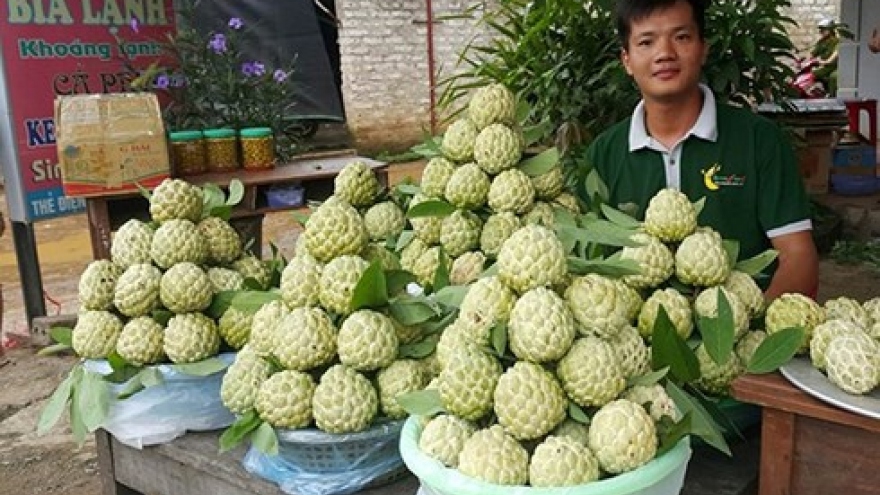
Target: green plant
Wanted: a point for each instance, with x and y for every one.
(563, 58)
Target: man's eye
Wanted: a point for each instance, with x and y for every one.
(644, 43)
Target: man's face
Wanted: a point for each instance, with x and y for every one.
(664, 53)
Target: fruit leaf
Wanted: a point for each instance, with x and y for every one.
(236, 192)
(434, 326)
(397, 280)
(265, 440)
(430, 208)
(77, 426)
(422, 402)
(451, 295)
(205, 367)
(491, 271)
(411, 310)
(648, 378)
(122, 370)
(777, 349)
(699, 204)
(701, 424)
(541, 163)
(611, 267)
(576, 413)
(731, 247)
(718, 333)
(144, 191)
(408, 189)
(757, 263)
(563, 216)
(371, 290)
(92, 400)
(668, 349)
(499, 338)
(418, 350)
(595, 231)
(672, 432)
(596, 187)
(300, 217)
(220, 303)
(222, 211)
(147, 377)
(59, 400)
(620, 218)
(533, 133)
(62, 335)
(404, 239)
(54, 349)
(238, 431)
(523, 109)
(441, 276)
(429, 148)
(251, 301)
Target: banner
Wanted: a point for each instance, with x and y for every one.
(58, 47)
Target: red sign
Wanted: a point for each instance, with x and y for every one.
(58, 47)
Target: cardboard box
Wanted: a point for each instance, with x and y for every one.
(110, 143)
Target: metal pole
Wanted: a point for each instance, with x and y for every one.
(29, 270)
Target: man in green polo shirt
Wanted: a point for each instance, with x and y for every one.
(680, 137)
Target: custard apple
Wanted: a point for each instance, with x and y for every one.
(568, 201)
(794, 310)
(561, 461)
(853, 363)
(511, 190)
(335, 229)
(234, 326)
(97, 285)
(300, 282)
(356, 184)
(223, 241)
(822, 335)
(590, 373)
(468, 381)
(95, 334)
(304, 339)
(541, 213)
(467, 268)
(492, 104)
(701, 259)
(253, 268)
(458, 140)
(284, 400)
(569, 428)
(191, 337)
(532, 257)
(847, 308)
(747, 290)
(497, 229)
(444, 437)
(131, 244)
(338, 280)
(178, 241)
(460, 232)
(670, 216)
(225, 279)
(242, 380)
(529, 402)
(400, 377)
(425, 266)
(176, 199)
(344, 401)
(633, 300)
(597, 305)
(367, 341)
(541, 326)
(715, 378)
(140, 342)
(677, 307)
(384, 220)
(487, 302)
(137, 290)
(494, 456)
(748, 344)
(263, 325)
(498, 148)
(185, 288)
(549, 185)
(468, 188)
(623, 436)
(706, 306)
(376, 251)
(426, 228)
(654, 259)
(654, 399)
(435, 175)
(633, 354)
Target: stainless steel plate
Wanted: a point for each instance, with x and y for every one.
(801, 373)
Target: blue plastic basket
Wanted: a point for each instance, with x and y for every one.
(854, 185)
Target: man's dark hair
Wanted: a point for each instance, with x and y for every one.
(627, 11)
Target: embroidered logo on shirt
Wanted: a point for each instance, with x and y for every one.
(713, 180)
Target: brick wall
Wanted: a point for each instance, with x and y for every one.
(384, 57)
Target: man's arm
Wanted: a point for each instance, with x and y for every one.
(798, 269)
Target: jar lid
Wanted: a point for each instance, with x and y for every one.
(178, 136)
(219, 133)
(255, 132)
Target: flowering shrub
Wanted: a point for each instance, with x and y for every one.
(208, 82)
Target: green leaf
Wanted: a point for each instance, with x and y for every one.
(499, 338)
(757, 263)
(668, 349)
(77, 426)
(490, 271)
(220, 303)
(422, 402)
(59, 400)
(419, 350)
(596, 187)
(238, 431)
(163, 315)
(148, 377)
(397, 280)
(777, 349)
(441, 276)
(205, 367)
(221, 211)
(718, 333)
(265, 440)
(430, 208)
(371, 290)
(411, 310)
(620, 218)
(300, 217)
(702, 423)
(699, 204)
(404, 239)
(601, 232)
(54, 349)
(612, 267)
(451, 295)
(731, 247)
(408, 189)
(92, 400)
(541, 163)
(252, 300)
(236, 192)
(576, 413)
(675, 432)
(62, 335)
(648, 378)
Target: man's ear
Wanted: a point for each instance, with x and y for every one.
(624, 57)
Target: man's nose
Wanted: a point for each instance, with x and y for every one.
(665, 49)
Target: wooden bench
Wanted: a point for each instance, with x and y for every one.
(809, 447)
(315, 173)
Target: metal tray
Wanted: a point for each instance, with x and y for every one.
(801, 373)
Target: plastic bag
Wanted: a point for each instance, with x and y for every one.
(163, 412)
(662, 476)
(312, 462)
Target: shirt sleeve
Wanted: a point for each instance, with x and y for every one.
(784, 204)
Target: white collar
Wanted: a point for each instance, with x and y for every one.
(706, 126)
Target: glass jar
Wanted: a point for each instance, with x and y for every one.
(188, 153)
(222, 150)
(257, 148)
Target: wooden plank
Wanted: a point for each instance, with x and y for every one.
(773, 390)
(777, 446)
(99, 227)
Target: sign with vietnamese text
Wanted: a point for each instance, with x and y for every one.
(58, 47)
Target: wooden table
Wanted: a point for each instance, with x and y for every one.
(106, 213)
(809, 447)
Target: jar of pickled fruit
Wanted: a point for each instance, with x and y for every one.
(188, 153)
(222, 150)
(257, 148)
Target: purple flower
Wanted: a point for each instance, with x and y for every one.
(253, 69)
(279, 76)
(135, 24)
(236, 23)
(162, 81)
(177, 80)
(217, 43)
